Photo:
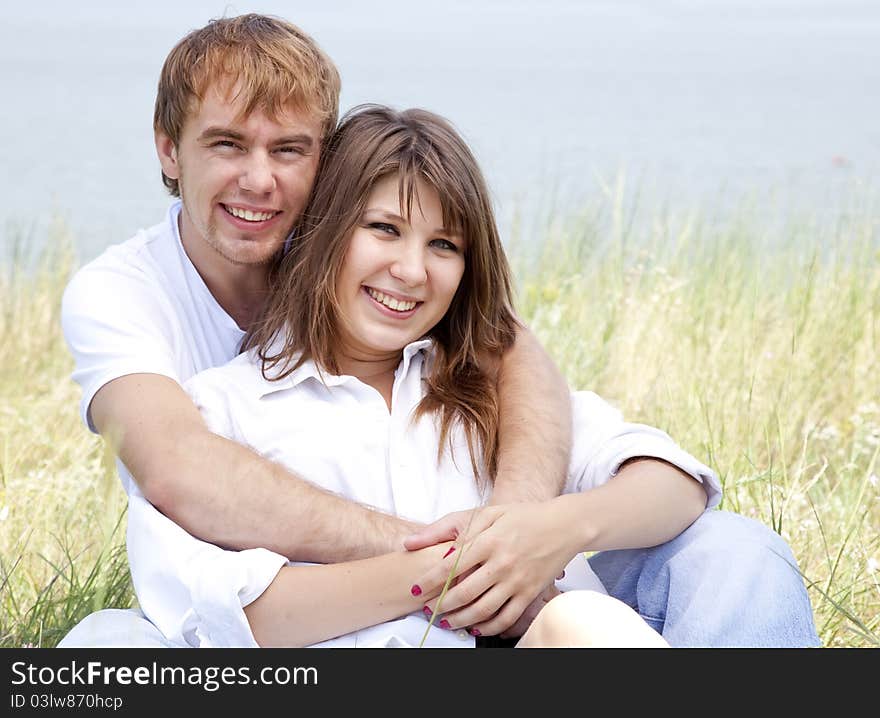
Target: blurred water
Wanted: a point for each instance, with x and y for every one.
(697, 102)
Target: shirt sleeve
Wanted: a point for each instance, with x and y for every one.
(114, 324)
(193, 591)
(603, 441)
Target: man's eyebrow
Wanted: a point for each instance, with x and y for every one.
(300, 139)
(214, 132)
(397, 218)
(217, 131)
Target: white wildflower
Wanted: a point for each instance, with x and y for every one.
(4, 513)
(872, 479)
(873, 565)
(828, 432)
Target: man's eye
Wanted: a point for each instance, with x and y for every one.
(225, 144)
(291, 150)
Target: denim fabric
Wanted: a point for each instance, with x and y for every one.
(726, 581)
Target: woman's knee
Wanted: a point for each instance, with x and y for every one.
(589, 619)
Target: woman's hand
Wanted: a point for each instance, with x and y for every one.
(512, 554)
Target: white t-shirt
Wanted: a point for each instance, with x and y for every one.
(142, 307)
(340, 433)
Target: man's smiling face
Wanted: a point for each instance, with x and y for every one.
(244, 179)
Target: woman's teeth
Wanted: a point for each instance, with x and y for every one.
(396, 304)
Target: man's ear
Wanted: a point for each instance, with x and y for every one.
(167, 151)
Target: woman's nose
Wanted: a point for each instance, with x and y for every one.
(409, 266)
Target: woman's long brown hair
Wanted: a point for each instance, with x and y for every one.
(300, 320)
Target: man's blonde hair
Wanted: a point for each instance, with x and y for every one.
(271, 64)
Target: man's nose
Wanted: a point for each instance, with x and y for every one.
(409, 265)
(257, 175)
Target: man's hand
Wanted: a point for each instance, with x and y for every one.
(514, 552)
(463, 525)
(532, 610)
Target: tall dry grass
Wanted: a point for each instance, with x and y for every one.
(62, 550)
(753, 343)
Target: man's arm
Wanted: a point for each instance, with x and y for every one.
(221, 491)
(534, 424)
(535, 431)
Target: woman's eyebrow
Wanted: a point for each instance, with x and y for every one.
(386, 214)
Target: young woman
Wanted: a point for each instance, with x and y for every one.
(370, 373)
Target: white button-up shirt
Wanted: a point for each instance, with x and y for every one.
(338, 432)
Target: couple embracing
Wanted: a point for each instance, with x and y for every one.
(326, 411)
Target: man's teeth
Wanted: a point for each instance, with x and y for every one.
(249, 216)
(391, 302)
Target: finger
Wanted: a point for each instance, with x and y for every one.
(466, 591)
(443, 529)
(431, 605)
(460, 526)
(503, 620)
(455, 563)
(482, 609)
(523, 622)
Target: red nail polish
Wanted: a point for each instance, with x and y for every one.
(474, 632)
(416, 590)
(427, 611)
(451, 549)
(445, 624)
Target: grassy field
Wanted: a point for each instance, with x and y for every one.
(757, 347)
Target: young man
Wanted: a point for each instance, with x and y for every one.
(243, 107)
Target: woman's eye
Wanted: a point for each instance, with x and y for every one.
(383, 227)
(444, 244)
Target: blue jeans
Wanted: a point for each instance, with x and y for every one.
(726, 581)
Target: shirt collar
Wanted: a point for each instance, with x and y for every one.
(309, 370)
(173, 215)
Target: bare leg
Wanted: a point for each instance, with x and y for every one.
(586, 619)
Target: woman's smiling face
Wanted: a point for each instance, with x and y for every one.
(399, 274)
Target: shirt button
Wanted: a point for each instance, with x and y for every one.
(462, 634)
